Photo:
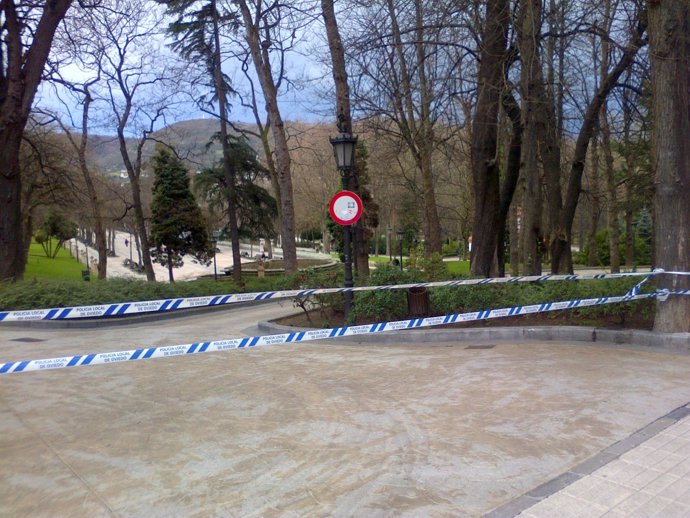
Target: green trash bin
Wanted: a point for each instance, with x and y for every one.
(86, 275)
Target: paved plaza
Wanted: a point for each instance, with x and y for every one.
(337, 429)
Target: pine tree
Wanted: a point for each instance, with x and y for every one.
(177, 225)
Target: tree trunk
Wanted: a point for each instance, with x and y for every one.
(629, 221)
(22, 69)
(11, 238)
(171, 278)
(227, 159)
(533, 95)
(262, 65)
(360, 234)
(485, 174)
(629, 174)
(415, 127)
(612, 198)
(595, 209)
(511, 177)
(514, 239)
(425, 139)
(669, 31)
(140, 222)
(94, 202)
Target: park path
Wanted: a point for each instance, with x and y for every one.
(310, 429)
(189, 271)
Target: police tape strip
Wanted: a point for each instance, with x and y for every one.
(305, 336)
(165, 305)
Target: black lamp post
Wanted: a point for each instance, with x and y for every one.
(400, 234)
(344, 151)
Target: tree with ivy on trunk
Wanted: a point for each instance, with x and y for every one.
(177, 225)
(669, 41)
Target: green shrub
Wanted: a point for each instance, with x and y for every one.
(452, 248)
(434, 268)
(643, 251)
(464, 299)
(384, 304)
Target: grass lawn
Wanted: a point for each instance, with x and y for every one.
(63, 267)
(458, 267)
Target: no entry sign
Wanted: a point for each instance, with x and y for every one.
(346, 208)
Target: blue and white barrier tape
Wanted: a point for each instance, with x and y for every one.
(305, 336)
(157, 306)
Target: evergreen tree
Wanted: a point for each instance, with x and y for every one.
(177, 225)
(256, 209)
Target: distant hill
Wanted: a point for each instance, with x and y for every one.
(189, 138)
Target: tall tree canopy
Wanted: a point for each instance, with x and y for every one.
(256, 209)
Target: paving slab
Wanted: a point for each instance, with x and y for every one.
(314, 429)
(649, 479)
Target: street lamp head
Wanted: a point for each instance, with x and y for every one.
(344, 150)
(400, 234)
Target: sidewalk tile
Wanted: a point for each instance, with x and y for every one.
(600, 492)
(566, 506)
(678, 490)
(682, 469)
(630, 505)
(659, 484)
(674, 510)
(643, 479)
(668, 462)
(620, 471)
(651, 508)
(638, 455)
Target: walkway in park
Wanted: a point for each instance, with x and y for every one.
(340, 429)
(189, 271)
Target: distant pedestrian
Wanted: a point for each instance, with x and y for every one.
(126, 242)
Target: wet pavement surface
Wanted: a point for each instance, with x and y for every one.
(317, 429)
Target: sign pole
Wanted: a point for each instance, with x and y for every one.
(346, 209)
(347, 241)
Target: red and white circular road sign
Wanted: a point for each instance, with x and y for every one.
(346, 208)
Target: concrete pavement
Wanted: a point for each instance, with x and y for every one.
(317, 429)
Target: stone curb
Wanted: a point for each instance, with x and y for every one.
(679, 342)
(125, 320)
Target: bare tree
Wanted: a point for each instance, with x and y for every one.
(264, 25)
(138, 86)
(73, 47)
(404, 61)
